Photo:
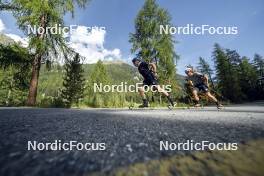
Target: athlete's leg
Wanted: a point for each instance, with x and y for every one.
(143, 96)
(195, 95)
(142, 92)
(164, 92)
(214, 99)
(208, 94)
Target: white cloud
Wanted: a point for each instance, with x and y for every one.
(2, 26)
(84, 36)
(22, 40)
(90, 44)
(18, 39)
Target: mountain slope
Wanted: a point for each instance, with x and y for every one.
(5, 40)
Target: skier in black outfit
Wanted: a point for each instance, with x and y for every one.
(199, 83)
(149, 73)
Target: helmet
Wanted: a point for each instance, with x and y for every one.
(136, 59)
(187, 69)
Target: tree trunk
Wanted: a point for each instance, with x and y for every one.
(32, 95)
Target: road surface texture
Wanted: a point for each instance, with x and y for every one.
(131, 136)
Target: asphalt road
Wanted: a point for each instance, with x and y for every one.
(129, 136)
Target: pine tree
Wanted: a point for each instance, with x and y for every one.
(234, 61)
(227, 73)
(98, 75)
(41, 13)
(248, 79)
(73, 82)
(204, 68)
(14, 74)
(259, 65)
(152, 46)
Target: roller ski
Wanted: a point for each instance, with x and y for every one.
(219, 106)
(144, 105)
(171, 104)
(141, 107)
(196, 106)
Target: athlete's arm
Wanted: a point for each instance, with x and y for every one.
(190, 83)
(153, 67)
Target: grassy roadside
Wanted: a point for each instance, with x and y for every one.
(248, 160)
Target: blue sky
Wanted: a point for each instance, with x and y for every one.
(118, 18)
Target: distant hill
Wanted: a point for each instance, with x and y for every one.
(5, 40)
(118, 71)
(181, 79)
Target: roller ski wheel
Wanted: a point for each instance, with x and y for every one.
(171, 107)
(219, 107)
(139, 107)
(196, 106)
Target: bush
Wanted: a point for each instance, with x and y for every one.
(51, 102)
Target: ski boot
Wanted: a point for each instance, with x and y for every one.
(171, 103)
(219, 106)
(145, 104)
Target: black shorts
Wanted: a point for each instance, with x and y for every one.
(150, 82)
(202, 88)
